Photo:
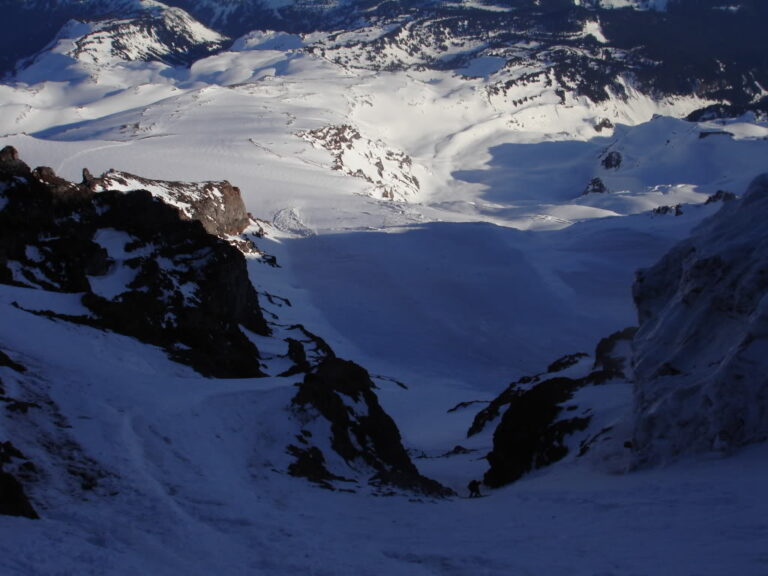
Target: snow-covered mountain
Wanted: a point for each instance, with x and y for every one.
(155, 33)
(689, 380)
(583, 47)
(660, 5)
(451, 195)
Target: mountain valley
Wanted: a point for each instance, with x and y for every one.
(290, 274)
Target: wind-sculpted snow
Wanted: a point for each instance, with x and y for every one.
(701, 349)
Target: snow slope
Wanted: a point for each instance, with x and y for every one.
(498, 264)
(189, 462)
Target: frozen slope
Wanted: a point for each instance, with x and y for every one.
(188, 466)
(497, 265)
(241, 116)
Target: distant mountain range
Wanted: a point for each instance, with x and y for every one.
(691, 47)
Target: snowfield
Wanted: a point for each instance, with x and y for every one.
(457, 243)
(192, 483)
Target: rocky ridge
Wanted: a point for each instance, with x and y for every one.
(390, 171)
(539, 419)
(569, 48)
(699, 355)
(128, 252)
(691, 379)
(137, 255)
(340, 393)
(218, 206)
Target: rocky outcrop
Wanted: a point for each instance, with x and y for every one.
(530, 434)
(143, 270)
(595, 186)
(339, 395)
(13, 499)
(389, 171)
(676, 210)
(612, 160)
(700, 353)
(541, 412)
(721, 196)
(218, 206)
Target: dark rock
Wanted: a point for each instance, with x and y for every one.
(565, 362)
(667, 369)
(603, 124)
(208, 324)
(11, 165)
(13, 500)
(8, 452)
(707, 133)
(533, 427)
(310, 464)
(466, 404)
(494, 408)
(607, 359)
(298, 356)
(718, 111)
(612, 160)
(61, 190)
(530, 435)
(457, 450)
(218, 206)
(595, 186)
(193, 306)
(721, 196)
(677, 210)
(367, 437)
(6, 360)
(20, 407)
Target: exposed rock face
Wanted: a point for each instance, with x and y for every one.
(13, 499)
(612, 160)
(677, 210)
(218, 206)
(390, 171)
(721, 196)
(143, 270)
(595, 186)
(541, 411)
(700, 354)
(530, 435)
(340, 394)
